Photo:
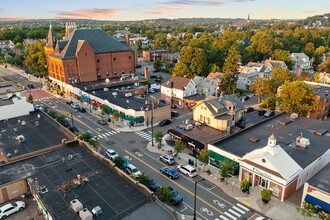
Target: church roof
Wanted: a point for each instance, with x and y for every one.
(98, 40)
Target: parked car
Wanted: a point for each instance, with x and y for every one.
(261, 112)
(82, 109)
(30, 86)
(38, 106)
(248, 109)
(73, 129)
(11, 208)
(75, 105)
(154, 186)
(269, 113)
(131, 169)
(153, 76)
(165, 122)
(69, 102)
(245, 98)
(174, 113)
(102, 122)
(158, 80)
(151, 91)
(172, 173)
(167, 159)
(176, 197)
(67, 122)
(111, 154)
(187, 170)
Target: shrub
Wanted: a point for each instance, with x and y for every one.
(119, 162)
(144, 179)
(245, 185)
(52, 114)
(164, 194)
(266, 195)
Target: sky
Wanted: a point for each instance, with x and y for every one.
(128, 10)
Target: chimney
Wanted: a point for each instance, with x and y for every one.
(127, 39)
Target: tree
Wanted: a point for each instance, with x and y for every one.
(30, 98)
(160, 41)
(297, 97)
(60, 119)
(324, 66)
(260, 86)
(230, 71)
(138, 44)
(164, 194)
(119, 162)
(95, 144)
(175, 45)
(52, 114)
(280, 74)
(204, 157)
(283, 55)
(318, 53)
(178, 146)
(266, 195)
(145, 180)
(226, 169)
(115, 116)
(309, 49)
(85, 136)
(181, 69)
(157, 65)
(159, 137)
(36, 58)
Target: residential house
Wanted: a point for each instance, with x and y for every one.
(205, 86)
(177, 88)
(152, 55)
(86, 55)
(268, 66)
(322, 94)
(245, 77)
(217, 76)
(6, 44)
(324, 77)
(301, 63)
(301, 142)
(220, 113)
(317, 190)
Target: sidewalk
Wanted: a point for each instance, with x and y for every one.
(275, 209)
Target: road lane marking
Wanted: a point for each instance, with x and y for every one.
(192, 194)
(229, 215)
(243, 207)
(237, 209)
(196, 211)
(235, 213)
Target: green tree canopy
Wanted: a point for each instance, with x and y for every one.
(261, 86)
(36, 58)
(297, 97)
(204, 157)
(309, 49)
(280, 74)
(157, 65)
(178, 146)
(283, 55)
(230, 71)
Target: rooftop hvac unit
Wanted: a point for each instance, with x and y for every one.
(85, 214)
(302, 142)
(97, 210)
(76, 205)
(105, 89)
(23, 123)
(20, 138)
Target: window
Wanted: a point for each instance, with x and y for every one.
(129, 57)
(263, 182)
(86, 54)
(208, 120)
(98, 60)
(201, 118)
(275, 191)
(114, 59)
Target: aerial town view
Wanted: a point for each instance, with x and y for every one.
(165, 110)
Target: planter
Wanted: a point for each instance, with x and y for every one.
(265, 201)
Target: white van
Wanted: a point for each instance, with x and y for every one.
(128, 94)
(187, 169)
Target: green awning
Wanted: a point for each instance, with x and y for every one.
(219, 158)
(137, 119)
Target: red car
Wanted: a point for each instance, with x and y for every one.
(173, 106)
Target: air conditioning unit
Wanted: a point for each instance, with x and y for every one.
(302, 142)
(85, 214)
(105, 89)
(20, 138)
(76, 205)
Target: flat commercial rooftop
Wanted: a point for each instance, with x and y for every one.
(116, 196)
(321, 180)
(239, 144)
(46, 134)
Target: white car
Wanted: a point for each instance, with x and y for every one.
(187, 170)
(131, 169)
(75, 105)
(111, 154)
(38, 106)
(11, 208)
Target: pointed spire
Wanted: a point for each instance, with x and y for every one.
(51, 37)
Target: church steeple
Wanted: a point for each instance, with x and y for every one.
(248, 19)
(51, 39)
(272, 140)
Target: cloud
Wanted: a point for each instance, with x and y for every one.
(12, 19)
(89, 13)
(161, 11)
(194, 2)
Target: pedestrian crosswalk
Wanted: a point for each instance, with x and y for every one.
(104, 135)
(144, 135)
(43, 99)
(234, 212)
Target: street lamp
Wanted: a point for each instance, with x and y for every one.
(195, 196)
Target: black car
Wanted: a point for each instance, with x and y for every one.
(248, 109)
(261, 112)
(31, 86)
(165, 122)
(73, 129)
(245, 98)
(153, 76)
(82, 109)
(69, 102)
(174, 113)
(158, 80)
(102, 122)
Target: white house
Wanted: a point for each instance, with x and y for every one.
(301, 63)
(245, 77)
(6, 43)
(205, 86)
(176, 88)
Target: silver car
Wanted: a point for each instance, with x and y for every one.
(167, 159)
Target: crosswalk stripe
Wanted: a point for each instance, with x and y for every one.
(243, 207)
(107, 134)
(100, 136)
(237, 209)
(235, 213)
(114, 132)
(104, 135)
(233, 217)
(223, 217)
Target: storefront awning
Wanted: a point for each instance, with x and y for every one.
(317, 202)
(86, 98)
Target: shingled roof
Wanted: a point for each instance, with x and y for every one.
(98, 40)
(176, 82)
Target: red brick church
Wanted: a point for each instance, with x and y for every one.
(86, 54)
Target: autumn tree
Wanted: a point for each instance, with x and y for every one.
(260, 86)
(178, 146)
(280, 74)
(230, 71)
(309, 49)
(180, 69)
(283, 55)
(36, 58)
(160, 41)
(324, 66)
(297, 97)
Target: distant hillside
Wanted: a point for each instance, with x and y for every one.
(318, 20)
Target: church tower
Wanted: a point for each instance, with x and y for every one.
(272, 141)
(69, 28)
(248, 20)
(51, 41)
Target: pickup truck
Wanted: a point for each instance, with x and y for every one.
(172, 173)
(176, 197)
